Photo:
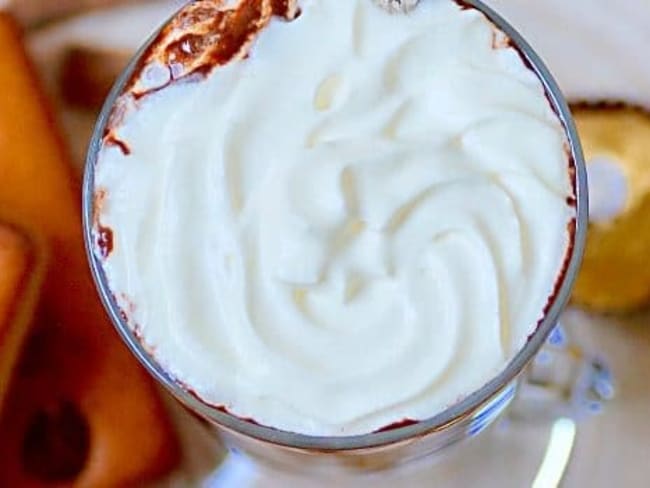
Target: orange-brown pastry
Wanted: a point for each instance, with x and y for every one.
(21, 275)
(31, 12)
(87, 74)
(615, 276)
(80, 410)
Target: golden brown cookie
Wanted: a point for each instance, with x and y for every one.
(87, 75)
(34, 12)
(615, 275)
(80, 410)
(21, 275)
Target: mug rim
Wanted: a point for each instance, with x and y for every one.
(452, 414)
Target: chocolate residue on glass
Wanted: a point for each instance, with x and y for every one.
(529, 64)
(572, 170)
(464, 5)
(221, 408)
(398, 425)
(204, 35)
(104, 235)
(117, 115)
(500, 40)
(98, 203)
(124, 316)
(112, 140)
(571, 230)
(104, 240)
(571, 201)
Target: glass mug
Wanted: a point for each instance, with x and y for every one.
(388, 449)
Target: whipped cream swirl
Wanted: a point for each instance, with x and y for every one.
(360, 223)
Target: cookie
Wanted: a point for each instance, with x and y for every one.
(615, 276)
(87, 75)
(21, 275)
(80, 411)
(34, 12)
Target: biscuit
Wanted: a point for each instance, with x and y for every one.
(21, 275)
(80, 410)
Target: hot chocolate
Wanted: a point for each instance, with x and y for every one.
(331, 219)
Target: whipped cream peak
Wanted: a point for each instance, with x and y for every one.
(357, 220)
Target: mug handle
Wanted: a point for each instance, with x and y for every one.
(563, 380)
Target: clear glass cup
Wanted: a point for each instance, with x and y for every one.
(381, 450)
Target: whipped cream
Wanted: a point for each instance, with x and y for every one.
(360, 223)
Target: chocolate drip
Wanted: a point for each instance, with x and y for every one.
(112, 140)
(104, 240)
(398, 425)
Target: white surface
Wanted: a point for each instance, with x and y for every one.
(121, 28)
(378, 220)
(597, 49)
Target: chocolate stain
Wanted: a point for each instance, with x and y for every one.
(112, 140)
(398, 425)
(104, 240)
